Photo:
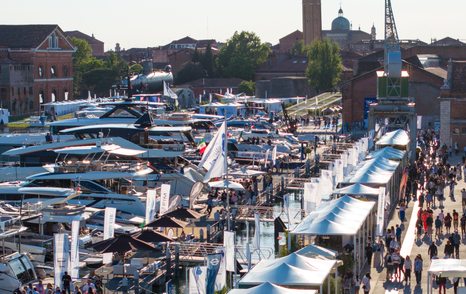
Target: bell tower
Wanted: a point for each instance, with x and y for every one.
(312, 21)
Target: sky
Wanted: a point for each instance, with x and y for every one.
(150, 23)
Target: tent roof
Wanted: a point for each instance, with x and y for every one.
(388, 153)
(448, 267)
(357, 189)
(373, 171)
(316, 251)
(270, 289)
(398, 137)
(281, 273)
(342, 216)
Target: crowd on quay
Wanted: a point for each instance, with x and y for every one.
(93, 285)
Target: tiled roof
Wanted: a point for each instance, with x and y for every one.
(24, 36)
(80, 35)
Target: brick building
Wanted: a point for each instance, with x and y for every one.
(453, 106)
(97, 46)
(35, 67)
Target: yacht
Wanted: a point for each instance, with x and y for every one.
(16, 271)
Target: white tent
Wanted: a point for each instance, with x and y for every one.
(226, 184)
(395, 138)
(316, 251)
(450, 268)
(343, 216)
(357, 189)
(388, 153)
(271, 289)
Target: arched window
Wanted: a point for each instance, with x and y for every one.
(53, 41)
(53, 71)
(41, 96)
(53, 97)
(40, 71)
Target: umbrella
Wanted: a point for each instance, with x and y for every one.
(226, 184)
(151, 236)
(167, 222)
(184, 213)
(122, 244)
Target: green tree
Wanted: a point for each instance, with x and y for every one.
(299, 49)
(241, 55)
(190, 72)
(324, 65)
(247, 87)
(207, 61)
(135, 68)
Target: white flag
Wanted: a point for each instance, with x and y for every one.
(197, 280)
(74, 260)
(109, 230)
(150, 205)
(229, 245)
(310, 197)
(164, 198)
(266, 159)
(274, 154)
(381, 212)
(60, 256)
(168, 92)
(256, 242)
(214, 158)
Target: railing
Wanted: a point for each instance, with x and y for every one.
(88, 165)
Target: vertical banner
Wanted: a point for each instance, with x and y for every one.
(229, 244)
(310, 197)
(221, 280)
(213, 266)
(371, 139)
(256, 242)
(338, 171)
(274, 155)
(325, 185)
(266, 158)
(381, 212)
(197, 280)
(60, 256)
(74, 258)
(164, 198)
(150, 206)
(109, 229)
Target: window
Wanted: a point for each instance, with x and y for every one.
(41, 96)
(53, 41)
(30, 91)
(65, 93)
(24, 91)
(40, 71)
(463, 131)
(65, 71)
(53, 72)
(53, 97)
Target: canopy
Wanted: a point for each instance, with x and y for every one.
(184, 213)
(373, 171)
(316, 251)
(167, 222)
(151, 236)
(388, 153)
(449, 268)
(284, 274)
(122, 244)
(342, 216)
(226, 184)
(357, 189)
(270, 289)
(398, 137)
(246, 173)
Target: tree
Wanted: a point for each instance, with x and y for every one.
(247, 87)
(241, 55)
(299, 49)
(190, 72)
(207, 61)
(324, 65)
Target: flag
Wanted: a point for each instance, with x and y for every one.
(202, 146)
(266, 160)
(168, 92)
(60, 256)
(229, 244)
(150, 205)
(213, 266)
(214, 159)
(197, 279)
(74, 259)
(109, 230)
(164, 198)
(274, 155)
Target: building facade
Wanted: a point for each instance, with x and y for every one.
(312, 21)
(35, 67)
(97, 46)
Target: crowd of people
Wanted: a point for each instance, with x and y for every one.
(91, 286)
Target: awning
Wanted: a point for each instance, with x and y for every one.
(342, 216)
(395, 138)
(271, 289)
(449, 268)
(357, 189)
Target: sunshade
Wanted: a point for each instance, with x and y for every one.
(269, 288)
(167, 222)
(183, 213)
(122, 244)
(151, 236)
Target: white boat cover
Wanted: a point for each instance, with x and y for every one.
(394, 138)
(110, 148)
(270, 289)
(342, 216)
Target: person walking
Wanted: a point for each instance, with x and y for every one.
(66, 279)
(456, 238)
(438, 227)
(455, 219)
(369, 252)
(433, 250)
(366, 283)
(463, 224)
(447, 223)
(408, 266)
(379, 250)
(441, 282)
(448, 250)
(418, 268)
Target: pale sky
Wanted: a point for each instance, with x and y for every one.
(150, 23)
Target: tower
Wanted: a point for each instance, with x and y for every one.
(373, 33)
(312, 21)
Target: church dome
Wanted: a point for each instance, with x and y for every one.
(340, 23)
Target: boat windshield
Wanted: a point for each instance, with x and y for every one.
(23, 270)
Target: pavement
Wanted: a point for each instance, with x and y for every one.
(412, 247)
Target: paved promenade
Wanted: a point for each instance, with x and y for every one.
(412, 247)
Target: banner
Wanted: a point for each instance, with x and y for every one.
(266, 159)
(197, 280)
(74, 258)
(60, 256)
(229, 244)
(274, 155)
(164, 198)
(310, 197)
(256, 242)
(381, 212)
(213, 266)
(109, 229)
(325, 185)
(150, 205)
(221, 280)
(338, 171)
(214, 149)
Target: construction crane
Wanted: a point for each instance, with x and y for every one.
(392, 58)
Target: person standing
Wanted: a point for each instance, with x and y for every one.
(455, 219)
(418, 268)
(438, 226)
(66, 280)
(463, 224)
(369, 253)
(379, 254)
(441, 282)
(456, 238)
(398, 234)
(408, 266)
(366, 283)
(447, 223)
(448, 250)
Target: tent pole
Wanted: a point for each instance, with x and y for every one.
(429, 290)
(321, 289)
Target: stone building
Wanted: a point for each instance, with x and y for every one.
(35, 67)
(453, 106)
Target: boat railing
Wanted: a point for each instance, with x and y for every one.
(98, 165)
(166, 147)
